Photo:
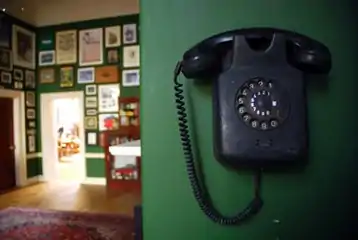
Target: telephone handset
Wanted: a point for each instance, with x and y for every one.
(259, 103)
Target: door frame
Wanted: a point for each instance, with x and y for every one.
(50, 173)
(19, 131)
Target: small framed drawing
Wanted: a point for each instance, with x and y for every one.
(47, 75)
(131, 56)
(23, 47)
(5, 59)
(66, 47)
(30, 113)
(6, 77)
(30, 81)
(91, 138)
(91, 102)
(32, 124)
(46, 58)
(31, 143)
(113, 36)
(18, 74)
(91, 43)
(67, 77)
(91, 123)
(91, 112)
(130, 78)
(85, 75)
(129, 33)
(108, 97)
(108, 121)
(91, 89)
(112, 56)
(18, 85)
(30, 99)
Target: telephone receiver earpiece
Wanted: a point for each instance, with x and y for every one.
(201, 65)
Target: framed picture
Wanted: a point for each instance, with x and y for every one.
(31, 132)
(108, 121)
(91, 112)
(30, 113)
(91, 42)
(66, 77)
(108, 97)
(5, 59)
(129, 33)
(23, 46)
(46, 58)
(47, 75)
(113, 36)
(30, 99)
(112, 56)
(6, 77)
(130, 78)
(18, 74)
(91, 102)
(85, 75)
(91, 123)
(131, 56)
(91, 138)
(31, 143)
(30, 81)
(107, 74)
(66, 47)
(32, 124)
(91, 89)
(5, 31)
(18, 85)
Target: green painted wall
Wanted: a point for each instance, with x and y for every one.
(95, 167)
(315, 204)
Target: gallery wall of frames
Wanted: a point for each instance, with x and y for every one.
(18, 73)
(100, 58)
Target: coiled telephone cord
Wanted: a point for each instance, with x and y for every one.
(200, 193)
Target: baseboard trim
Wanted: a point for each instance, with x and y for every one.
(95, 155)
(34, 180)
(33, 155)
(94, 181)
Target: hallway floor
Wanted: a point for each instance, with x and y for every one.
(71, 197)
(68, 167)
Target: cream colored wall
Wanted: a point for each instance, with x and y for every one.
(51, 12)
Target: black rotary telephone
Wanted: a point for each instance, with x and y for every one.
(259, 103)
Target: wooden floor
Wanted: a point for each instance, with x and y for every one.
(71, 196)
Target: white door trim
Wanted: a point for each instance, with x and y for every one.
(47, 98)
(19, 131)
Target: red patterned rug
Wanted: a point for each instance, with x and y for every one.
(35, 224)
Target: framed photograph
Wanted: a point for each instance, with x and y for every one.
(30, 113)
(23, 46)
(91, 123)
(91, 112)
(91, 102)
(131, 56)
(66, 77)
(112, 56)
(6, 77)
(5, 31)
(66, 47)
(31, 141)
(130, 78)
(32, 124)
(18, 74)
(108, 121)
(85, 75)
(129, 33)
(5, 59)
(113, 36)
(91, 42)
(108, 97)
(91, 138)
(107, 74)
(30, 99)
(31, 132)
(46, 58)
(47, 75)
(18, 85)
(91, 89)
(30, 81)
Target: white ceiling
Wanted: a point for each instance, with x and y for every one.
(52, 12)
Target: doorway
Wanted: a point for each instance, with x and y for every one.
(63, 142)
